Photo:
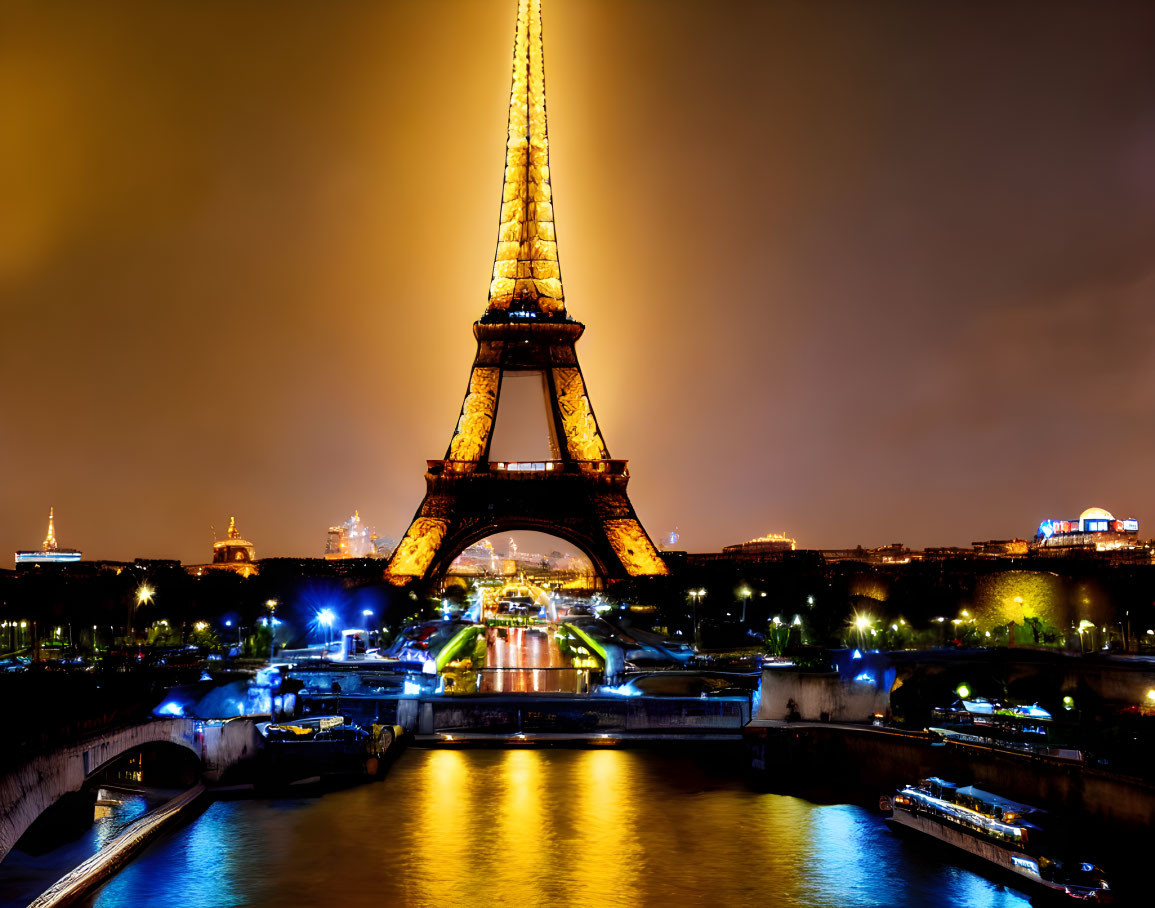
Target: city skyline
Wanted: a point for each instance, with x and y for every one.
(244, 285)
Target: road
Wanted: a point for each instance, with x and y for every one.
(528, 661)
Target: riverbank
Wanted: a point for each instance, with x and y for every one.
(112, 857)
(863, 755)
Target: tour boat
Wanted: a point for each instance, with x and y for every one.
(1016, 837)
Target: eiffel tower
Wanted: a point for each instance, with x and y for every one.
(580, 494)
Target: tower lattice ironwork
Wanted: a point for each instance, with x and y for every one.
(580, 494)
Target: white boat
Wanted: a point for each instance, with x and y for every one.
(1014, 836)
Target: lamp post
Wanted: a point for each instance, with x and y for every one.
(367, 613)
(696, 595)
(240, 643)
(271, 605)
(744, 594)
(144, 594)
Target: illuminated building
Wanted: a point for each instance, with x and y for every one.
(352, 539)
(579, 493)
(763, 545)
(479, 558)
(50, 551)
(1001, 548)
(230, 554)
(1095, 529)
(232, 549)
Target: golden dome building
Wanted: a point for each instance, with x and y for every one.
(230, 554)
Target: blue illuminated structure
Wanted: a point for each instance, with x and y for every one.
(49, 552)
(61, 556)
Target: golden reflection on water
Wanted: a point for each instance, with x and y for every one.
(544, 827)
(597, 827)
(607, 837)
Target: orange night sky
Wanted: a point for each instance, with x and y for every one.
(857, 272)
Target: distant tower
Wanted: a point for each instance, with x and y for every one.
(50, 539)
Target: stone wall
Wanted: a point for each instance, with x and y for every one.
(826, 697)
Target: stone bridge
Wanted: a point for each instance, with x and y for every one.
(32, 787)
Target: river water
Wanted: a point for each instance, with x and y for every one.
(24, 876)
(546, 827)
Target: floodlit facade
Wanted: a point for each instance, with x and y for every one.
(353, 539)
(1095, 528)
(763, 545)
(230, 554)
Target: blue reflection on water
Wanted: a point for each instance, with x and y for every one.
(213, 862)
(857, 856)
(24, 876)
(193, 866)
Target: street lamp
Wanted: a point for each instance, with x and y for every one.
(144, 594)
(325, 619)
(271, 605)
(744, 594)
(1085, 626)
(696, 595)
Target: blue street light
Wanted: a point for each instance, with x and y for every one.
(325, 617)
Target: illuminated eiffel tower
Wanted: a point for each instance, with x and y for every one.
(579, 495)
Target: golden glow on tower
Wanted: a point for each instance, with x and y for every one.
(50, 539)
(527, 284)
(633, 548)
(526, 273)
(417, 550)
(477, 415)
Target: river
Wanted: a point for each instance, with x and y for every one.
(538, 827)
(24, 876)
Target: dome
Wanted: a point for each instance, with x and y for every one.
(1096, 514)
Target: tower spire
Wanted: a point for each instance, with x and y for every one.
(50, 539)
(526, 273)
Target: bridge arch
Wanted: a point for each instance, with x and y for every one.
(32, 787)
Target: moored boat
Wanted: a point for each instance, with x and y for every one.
(319, 746)
(1014, 836)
